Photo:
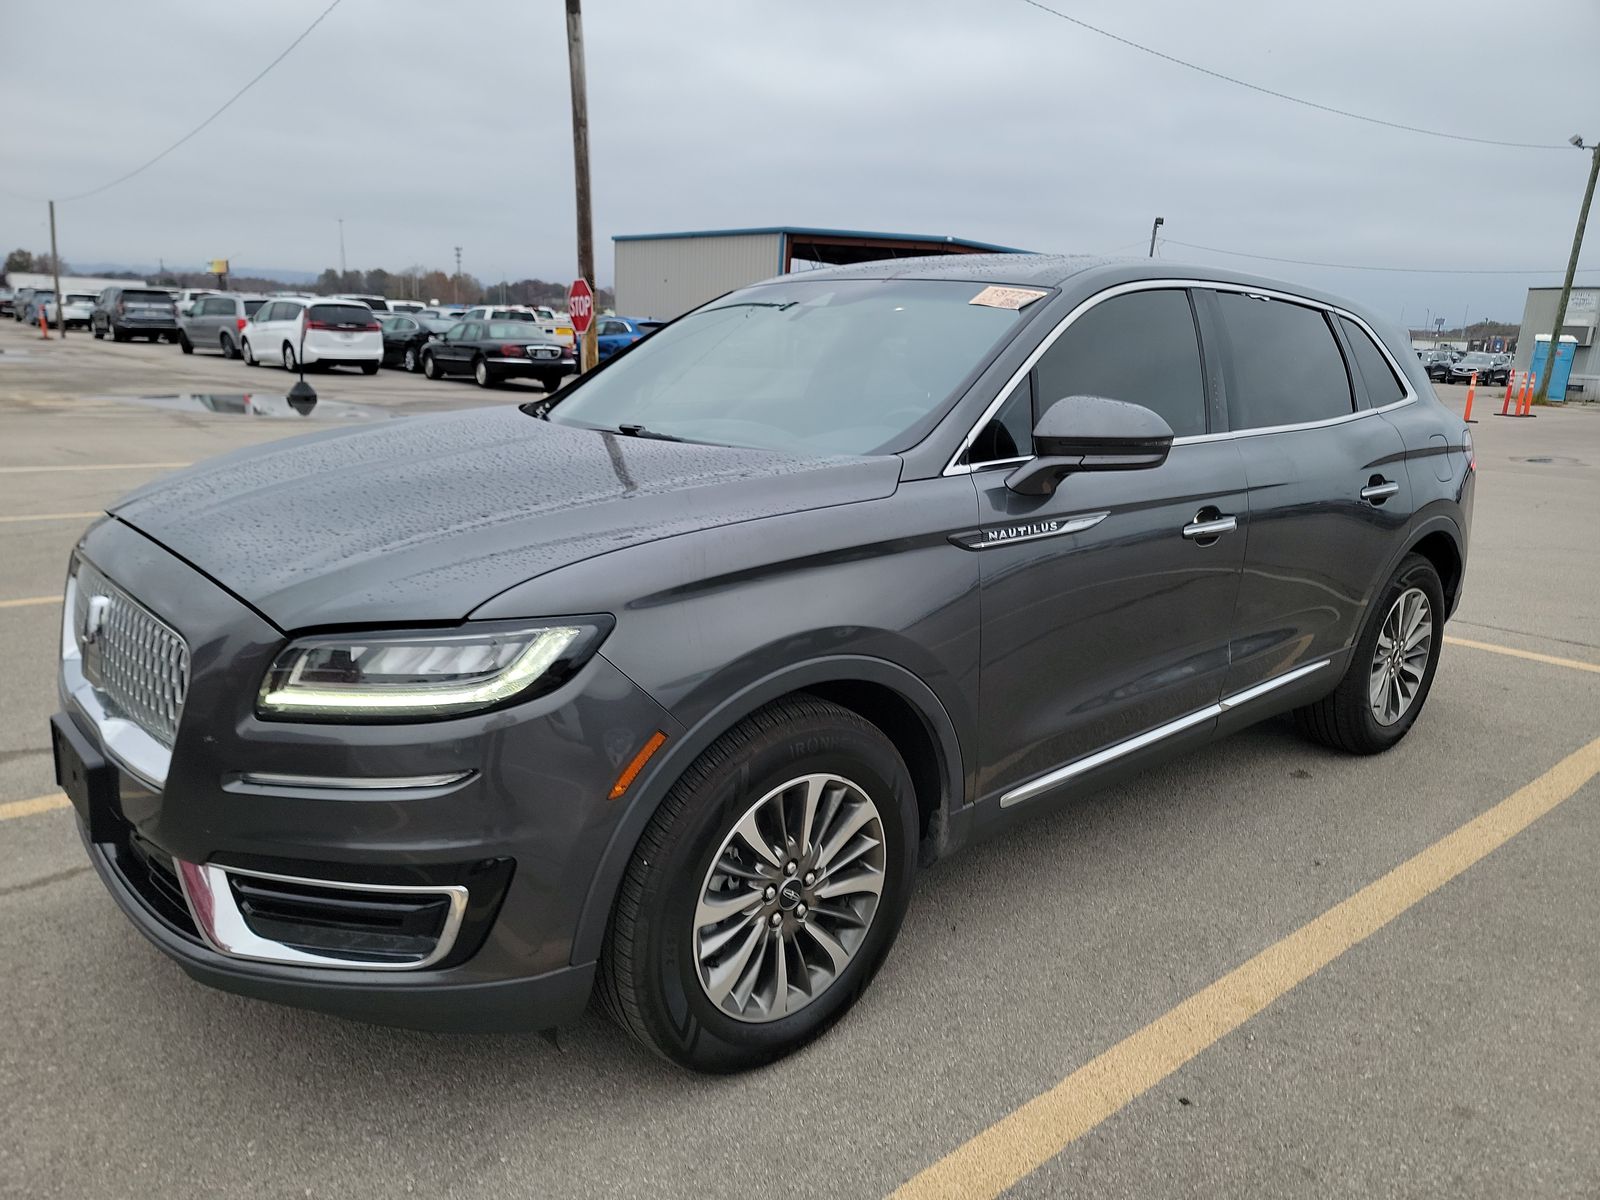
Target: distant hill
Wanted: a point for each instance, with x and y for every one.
(151, 270)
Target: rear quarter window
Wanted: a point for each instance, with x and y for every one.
(1376, 374)
(1286, 364)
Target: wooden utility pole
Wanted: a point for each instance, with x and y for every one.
(580, 169)
(55, 271)
(1566, 287)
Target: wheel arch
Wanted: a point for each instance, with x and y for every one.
(1439, 540)
(904, 708)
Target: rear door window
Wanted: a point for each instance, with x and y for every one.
(1141, 348)
(1376, 373)
(1287, 368)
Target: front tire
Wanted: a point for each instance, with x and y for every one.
(249, 354)
(766, 891)
(430, 366)
(185, 344)
(1391, 670)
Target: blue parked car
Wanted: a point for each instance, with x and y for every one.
(618, 333)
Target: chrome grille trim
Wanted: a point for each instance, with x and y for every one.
(137, 664)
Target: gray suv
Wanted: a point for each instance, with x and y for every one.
(129, 312)
(214, 322)
(664, 687)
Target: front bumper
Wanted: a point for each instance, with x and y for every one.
(521, 835)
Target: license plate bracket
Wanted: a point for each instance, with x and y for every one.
(89, 781)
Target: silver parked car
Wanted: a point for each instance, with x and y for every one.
(213, 322)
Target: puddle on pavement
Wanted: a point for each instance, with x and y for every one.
(257, 404)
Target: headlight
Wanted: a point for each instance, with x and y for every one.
(425, 674)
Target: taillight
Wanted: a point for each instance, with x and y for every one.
(310, 324)
(512, 352)
(373, 327)
(241, 322)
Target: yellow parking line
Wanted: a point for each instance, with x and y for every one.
(27, 808)
(1494, 648)
(1032, 1135)
(80, 516)
(156, 466)
(29, 601)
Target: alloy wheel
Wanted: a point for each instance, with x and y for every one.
(1400, 659)
(410, 360)
(789, 898)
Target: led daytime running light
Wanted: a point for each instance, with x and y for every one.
(542, 651)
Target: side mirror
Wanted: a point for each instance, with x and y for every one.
(1091, 433)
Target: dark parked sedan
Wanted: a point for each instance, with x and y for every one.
(1489, 368)
(665, 685)
(404, 336)
(494, 351)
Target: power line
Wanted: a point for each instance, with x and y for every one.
(1266, 91)
(1301, 262)
(144, 166)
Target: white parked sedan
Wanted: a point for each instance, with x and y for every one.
(327, 333)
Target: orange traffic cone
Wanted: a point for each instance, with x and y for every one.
(44, 326)
(1472, 387)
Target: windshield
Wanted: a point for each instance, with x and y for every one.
(828, 366)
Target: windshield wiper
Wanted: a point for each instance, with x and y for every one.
(640, 431)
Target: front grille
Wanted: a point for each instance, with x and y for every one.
(135, 661)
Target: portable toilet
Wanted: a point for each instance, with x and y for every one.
(1559, 375)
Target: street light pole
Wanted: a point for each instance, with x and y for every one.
(1572, 269)
(1160, 221)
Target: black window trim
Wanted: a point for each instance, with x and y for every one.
(955, 465)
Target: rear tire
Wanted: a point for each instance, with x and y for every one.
(482, 376)
(228, 350)
(659, 968)
(409, 360)
(1347, 718)
(289, 360)
(369, 368)
(117, 335)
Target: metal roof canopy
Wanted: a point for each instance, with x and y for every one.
(839, 247)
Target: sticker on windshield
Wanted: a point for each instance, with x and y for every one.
(1007, 297)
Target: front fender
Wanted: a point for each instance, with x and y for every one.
(665, 769)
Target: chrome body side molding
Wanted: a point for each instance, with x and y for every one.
(1053, 779)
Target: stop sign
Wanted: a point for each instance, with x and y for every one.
(580, 304)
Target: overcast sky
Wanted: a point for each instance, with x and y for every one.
(427, 124)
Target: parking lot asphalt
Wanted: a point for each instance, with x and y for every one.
(1050, 1021)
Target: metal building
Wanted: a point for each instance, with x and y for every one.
(1583, 315)
(664, 274)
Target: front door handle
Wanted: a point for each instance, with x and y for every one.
(1208, 525)
(1379, 490)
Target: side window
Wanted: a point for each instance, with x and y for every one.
(1382, 387)
(1009, 433)
(264, 313)
(1287, 368)
(1141, 348)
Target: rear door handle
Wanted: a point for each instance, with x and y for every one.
(1210, 530)
(1377, 493)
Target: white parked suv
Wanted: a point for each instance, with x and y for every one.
(329, 333)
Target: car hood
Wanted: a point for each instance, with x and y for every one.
(425, 518)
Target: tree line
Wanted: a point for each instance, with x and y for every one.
(414, 283)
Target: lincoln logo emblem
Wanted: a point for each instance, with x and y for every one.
(94, 621)
(789, 895)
